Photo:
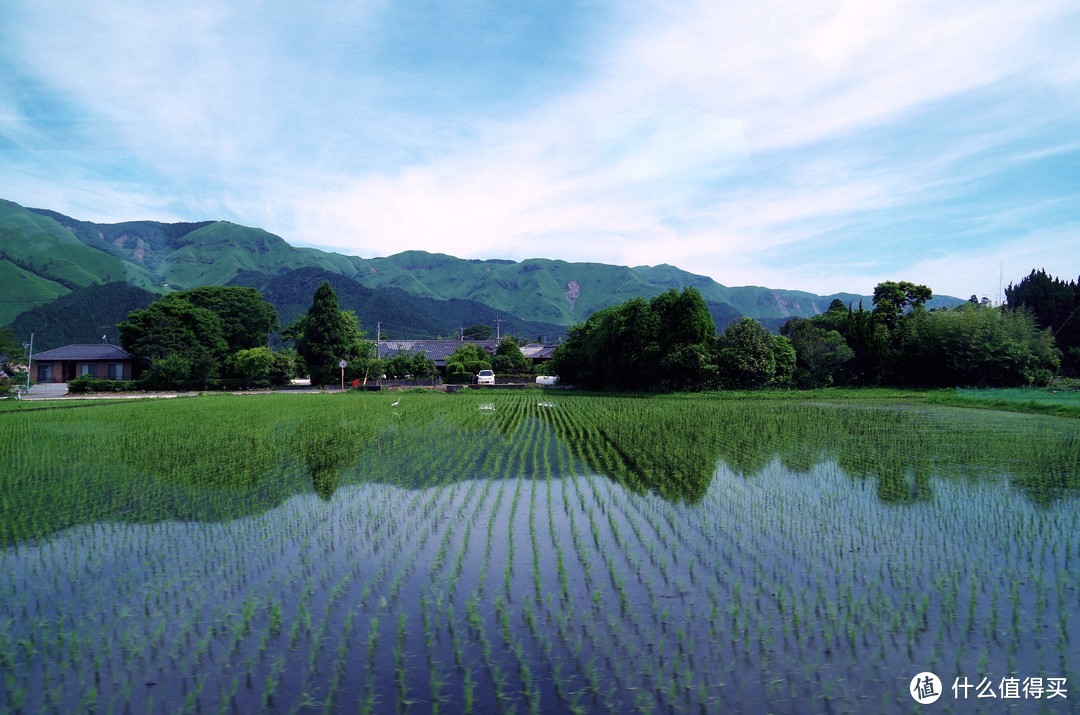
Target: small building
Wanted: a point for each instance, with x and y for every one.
(436, 350)
(7, 369)
(439, 350)
(105, 362)
(537, 353)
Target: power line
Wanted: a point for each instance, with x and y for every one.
(76, 188)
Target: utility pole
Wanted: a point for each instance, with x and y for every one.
(498, 328)
(1001, 271)
(29, 359)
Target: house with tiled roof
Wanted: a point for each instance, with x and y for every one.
(102, 361)
(436, 350)
(439, 350)
(537, 353)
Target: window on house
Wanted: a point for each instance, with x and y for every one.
(88, 369)
(116, 371)
(44, 372)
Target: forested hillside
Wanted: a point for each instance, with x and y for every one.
(85, 315)
(401, 314)
(45, 255)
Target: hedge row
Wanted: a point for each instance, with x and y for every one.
(84, 385)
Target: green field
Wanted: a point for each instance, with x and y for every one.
(532, 552)
(1063, 402)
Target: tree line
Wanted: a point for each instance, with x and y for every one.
(219, 336)
(213, 335)
(670, 343)
(1055, 305)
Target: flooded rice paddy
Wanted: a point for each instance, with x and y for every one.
(535, 553)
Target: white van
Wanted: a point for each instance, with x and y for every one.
(485, 377)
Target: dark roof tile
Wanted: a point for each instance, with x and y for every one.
(84, 352)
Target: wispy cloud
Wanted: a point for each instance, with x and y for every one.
(824, 147)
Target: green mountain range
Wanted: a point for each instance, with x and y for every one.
(53, 265)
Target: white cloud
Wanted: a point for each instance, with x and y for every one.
(989, 271)
(751, 141)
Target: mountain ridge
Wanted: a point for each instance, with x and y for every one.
(45, 255)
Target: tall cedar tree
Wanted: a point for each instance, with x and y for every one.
(325, 339)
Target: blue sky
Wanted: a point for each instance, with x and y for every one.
(819, 146)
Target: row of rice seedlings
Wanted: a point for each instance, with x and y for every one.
(465, 540)
(659, 628)
(438, 516)
(920, 615)
(314, 636)
(368, 594)
(330, 607)
(918, 607)
(517, 643)
(246, 617)
(599, 631)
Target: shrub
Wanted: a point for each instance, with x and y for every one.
(457, 374)
(167, 372)
(84, 385)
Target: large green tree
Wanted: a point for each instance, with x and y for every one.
(820, 353)
(614, 349)
(784, 356)
(198, 330)
(747, 356)
(246, 319)
(188, 338)
(416, 365)
(508, 358)
(172, 325)
(663, 343)
(326, 335)
(686, 338)
(868, 338)
(469, 358)
(894, 299)
(252, 363)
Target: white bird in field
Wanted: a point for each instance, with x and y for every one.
(396, 403)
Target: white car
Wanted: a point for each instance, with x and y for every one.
(485, 377)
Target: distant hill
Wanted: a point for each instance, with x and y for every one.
(45, 255)
(401, 315)
(82, 316)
